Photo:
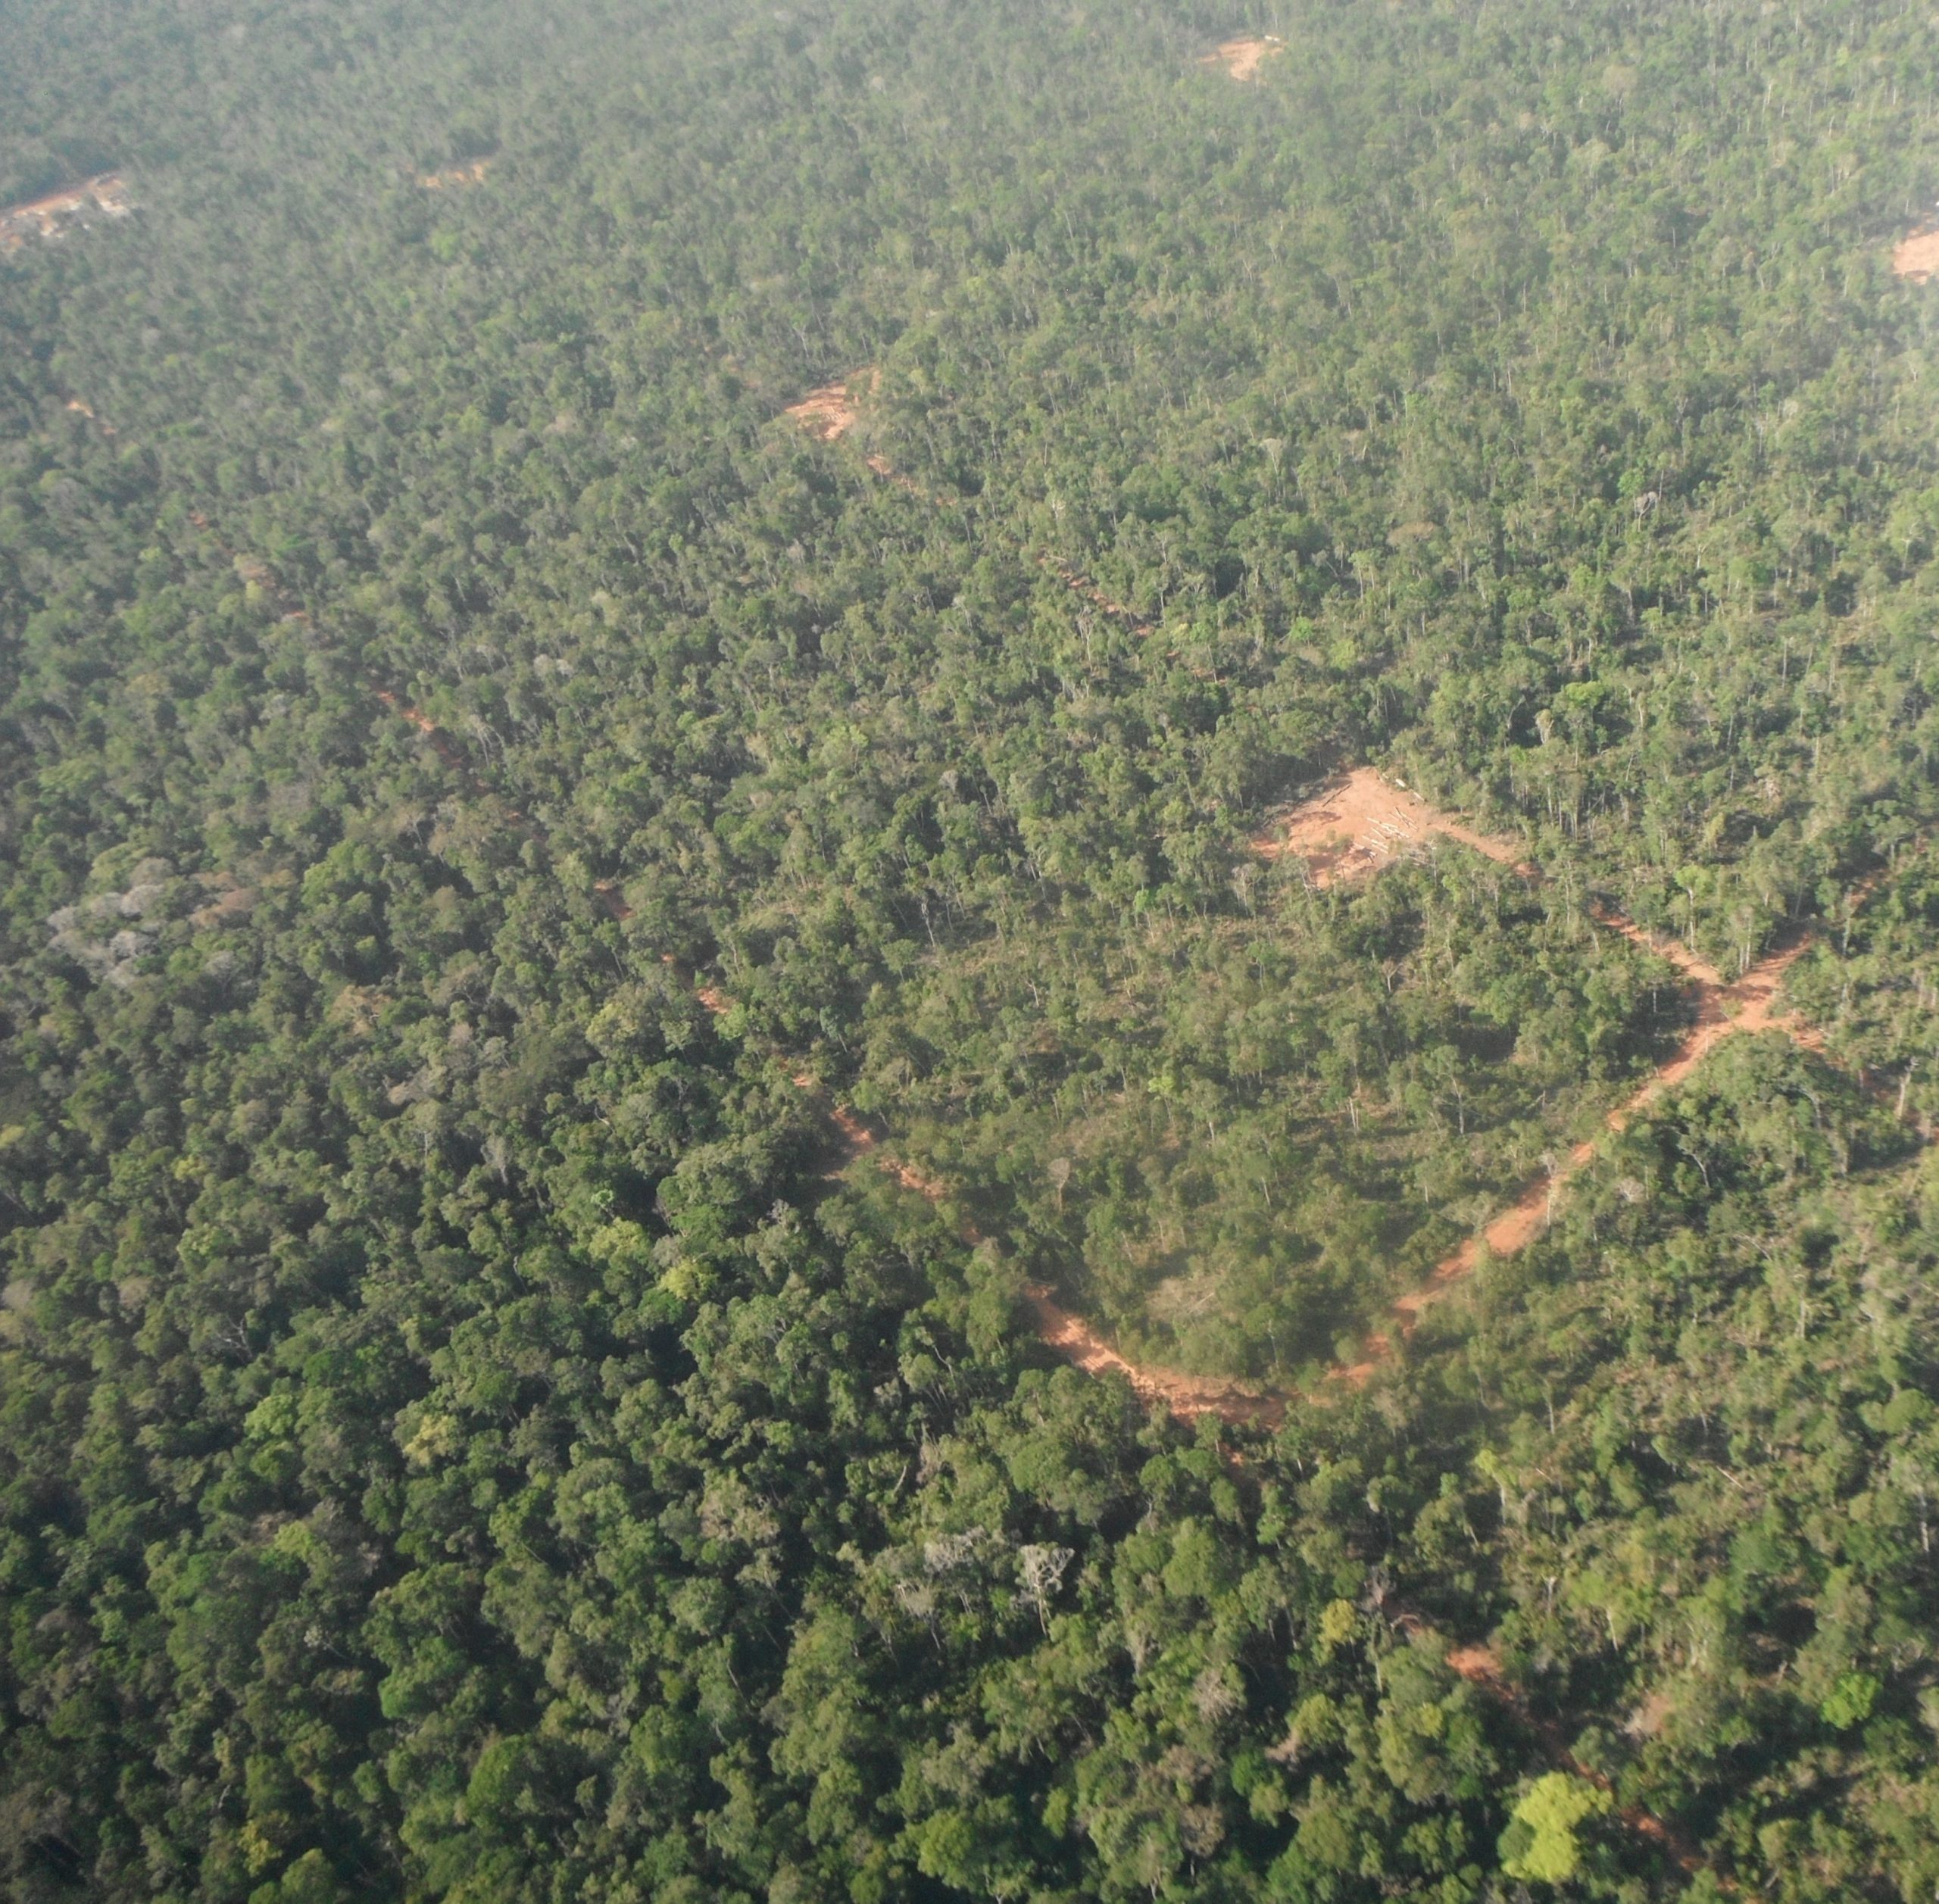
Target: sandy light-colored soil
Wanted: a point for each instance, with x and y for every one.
(1363, 822)
(1242, 59)
(1917, 256)
(455, 175)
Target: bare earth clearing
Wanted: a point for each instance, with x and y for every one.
(1917, 257)
(1363, 822)
(455, 175)
(105, 197)
(1242, 59)
(829, 414)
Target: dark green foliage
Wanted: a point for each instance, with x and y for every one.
(460, 1435)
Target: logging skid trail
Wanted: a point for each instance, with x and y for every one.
(1350, 829)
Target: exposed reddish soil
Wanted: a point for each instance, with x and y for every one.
(830, 413)
(1363, 822)
(1075, 1340)
(1242, 59)
(1917, 257)
(106, 196)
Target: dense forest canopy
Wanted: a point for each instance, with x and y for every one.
(505, 828)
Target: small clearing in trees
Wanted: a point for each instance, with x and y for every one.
(473, 173)
(105, 197)
(1917, 257)
(830, 412)
(1242, 59)
(1362, 822)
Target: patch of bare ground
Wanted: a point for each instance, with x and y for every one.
(1242, 59)
(1917, 256)
(471, 173)
(1361, 822)
(105, 197)
(829, 414)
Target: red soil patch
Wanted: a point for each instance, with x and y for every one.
(1917, 257)
(106, 196)
(830, 413)
(1362, 822)
(1242, 59)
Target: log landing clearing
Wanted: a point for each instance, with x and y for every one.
(473, 173)
(1361, 822)
(829, 413)
(1242, 59)
(1917, 257)
(105, 197)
